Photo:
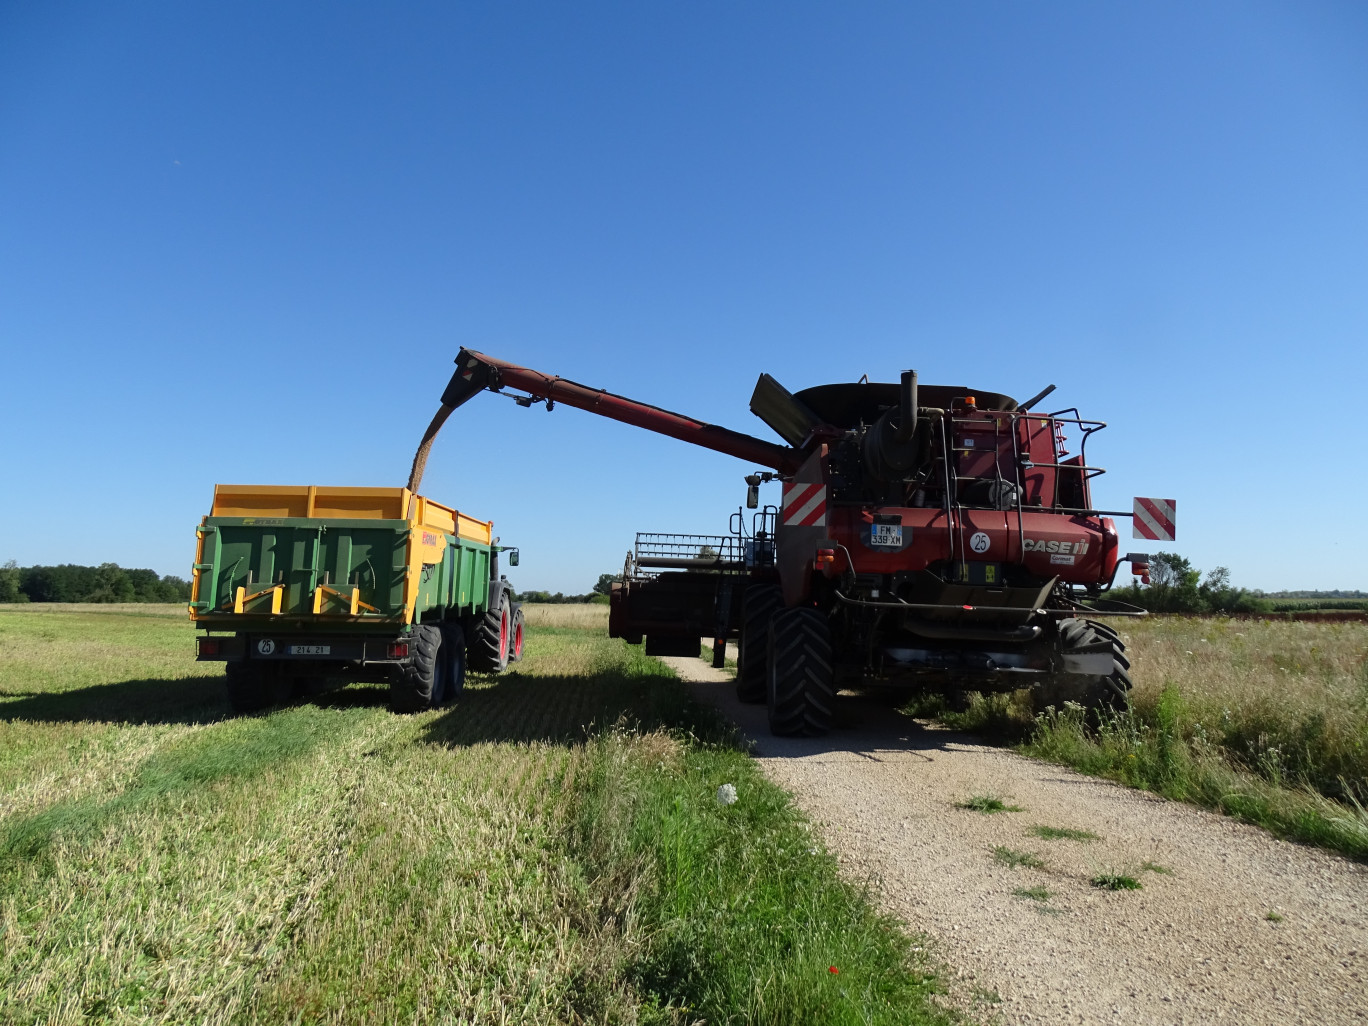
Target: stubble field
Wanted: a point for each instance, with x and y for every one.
(549, 850)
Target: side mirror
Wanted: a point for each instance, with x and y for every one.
(753, 496)
(512, 557)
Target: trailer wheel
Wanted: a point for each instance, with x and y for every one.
(453, 654)
(515, 643)
(801, 691)
(489, 646)
(419, 683)
(758, 605)
(253, 685)
(1110, 692)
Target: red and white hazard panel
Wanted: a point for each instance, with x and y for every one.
(804, 504)
(1155, 519)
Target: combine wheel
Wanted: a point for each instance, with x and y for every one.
(489, 646)
(1109, 692)
(515, 643)
(758, 606)
(801, 692)
(253, 685)
(421, 682)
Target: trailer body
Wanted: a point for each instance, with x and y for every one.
(297, 587)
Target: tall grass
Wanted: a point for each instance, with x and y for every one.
(568, 614)
(1264, 720)
(549, 850)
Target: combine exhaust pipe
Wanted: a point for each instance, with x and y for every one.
(908, 424)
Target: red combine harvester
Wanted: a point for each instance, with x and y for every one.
(929, 536)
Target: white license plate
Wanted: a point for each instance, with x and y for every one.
(888, 536)
(310, 649)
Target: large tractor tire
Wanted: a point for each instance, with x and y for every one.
(758, 606)
(489, 643)
(1108, 692)
(454, 656)
(515, 641)
(801, 691)
(254, 685)
(421, 682)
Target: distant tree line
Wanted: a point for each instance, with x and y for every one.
(1176, 586)
(1318, 595)
(107, 582)
(602, 589)
(557, 598)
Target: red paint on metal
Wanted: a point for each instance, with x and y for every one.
(643, 415)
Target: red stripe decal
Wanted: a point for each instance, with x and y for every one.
(1155, 519)
(804, 504)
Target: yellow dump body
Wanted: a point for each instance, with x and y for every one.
(284, 554)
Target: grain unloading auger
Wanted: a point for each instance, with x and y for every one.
(932, 536)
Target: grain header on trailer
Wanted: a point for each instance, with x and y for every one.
(298, 587)
(935, 536)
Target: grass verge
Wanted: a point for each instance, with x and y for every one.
(1264, 721)
(549, 850)
(1049, 833)
(987, 804)
(1016, 859)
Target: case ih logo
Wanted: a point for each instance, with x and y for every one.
(1062, 547)
(1155, 519)
(804, 504)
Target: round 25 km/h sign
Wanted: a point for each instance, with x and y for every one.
(979, 542)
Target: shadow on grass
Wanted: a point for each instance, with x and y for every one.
(567, 709)
(170, 701)
(144, 701)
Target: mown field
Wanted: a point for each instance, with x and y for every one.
(1264, 720)
(549, 850)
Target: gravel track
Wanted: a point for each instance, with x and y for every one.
(1195, 945)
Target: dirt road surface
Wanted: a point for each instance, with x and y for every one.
(1230, 925)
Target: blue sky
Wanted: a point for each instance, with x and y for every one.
(244, 242)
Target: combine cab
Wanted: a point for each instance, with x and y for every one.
(940, 537)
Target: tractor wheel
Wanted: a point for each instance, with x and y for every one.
(758, 605)
(801, 692)
(420, 683)
(1107, 693)
(489, 645)
(254, 685)
(454, 655)
(515, 641)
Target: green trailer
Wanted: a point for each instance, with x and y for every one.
(300, 588)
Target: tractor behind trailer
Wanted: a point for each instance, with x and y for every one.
(932, 536)
(301, 587)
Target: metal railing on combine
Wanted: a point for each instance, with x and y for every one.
(688, 552)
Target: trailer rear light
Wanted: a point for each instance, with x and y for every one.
(825, 556)
(398, 650)
(208, 646)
